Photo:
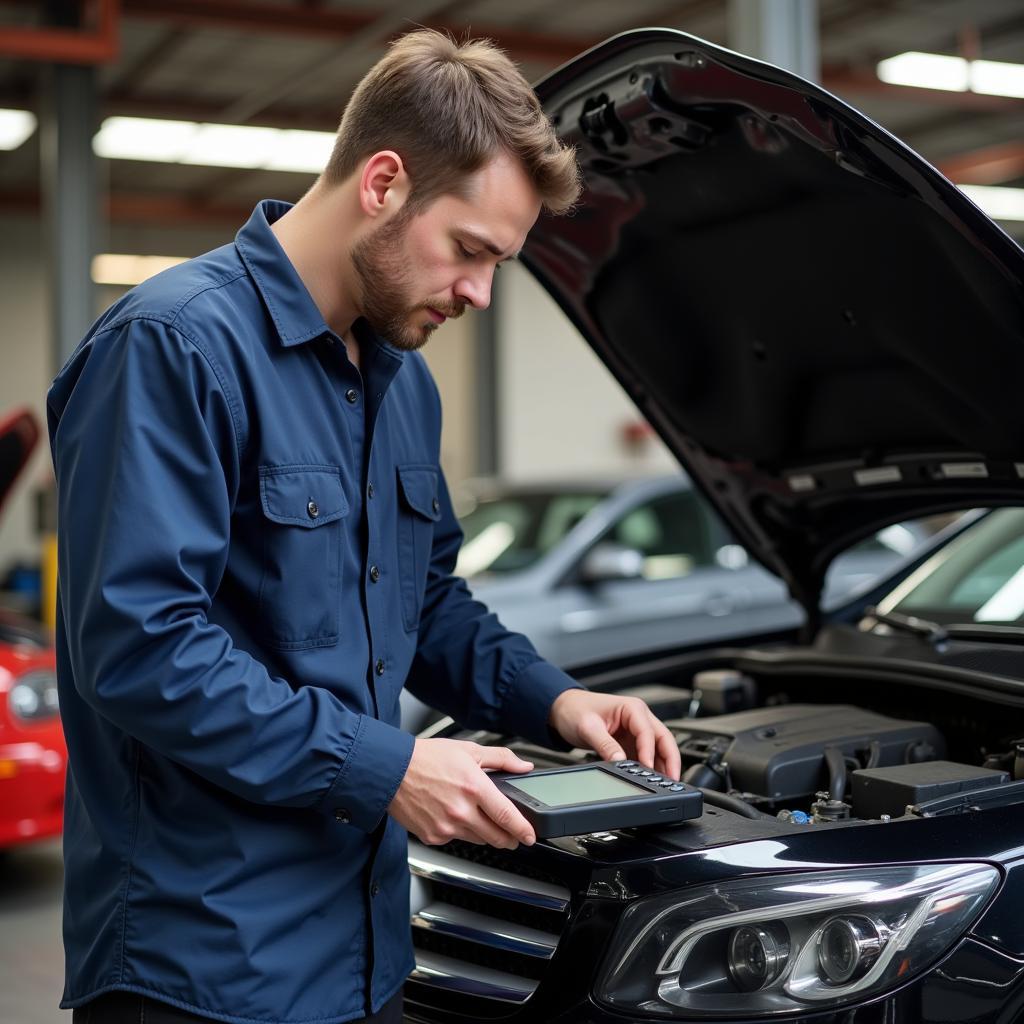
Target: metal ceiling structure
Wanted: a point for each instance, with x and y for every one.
(292, 63)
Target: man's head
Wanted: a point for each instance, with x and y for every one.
(453, 159)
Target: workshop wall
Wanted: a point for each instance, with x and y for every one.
(561, 412)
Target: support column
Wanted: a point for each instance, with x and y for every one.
(781, 32)
(68, 173)
(487, 392)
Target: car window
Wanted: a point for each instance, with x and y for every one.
(511, 532)
(671, 532)
(979, 577)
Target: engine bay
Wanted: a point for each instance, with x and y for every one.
(757, 746)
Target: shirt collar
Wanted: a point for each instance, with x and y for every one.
(291, 307)
(296, 316)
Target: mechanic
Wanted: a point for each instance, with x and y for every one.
(256, 553)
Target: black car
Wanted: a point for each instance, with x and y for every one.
(830, 336)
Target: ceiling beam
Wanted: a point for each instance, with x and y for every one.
(163, 210)
(95, 45)
(335, 23)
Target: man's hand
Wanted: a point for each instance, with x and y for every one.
(616, 728)
(446, 794)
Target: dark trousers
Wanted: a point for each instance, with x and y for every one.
(131, 1008)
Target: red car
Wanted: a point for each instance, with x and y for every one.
(32, 750)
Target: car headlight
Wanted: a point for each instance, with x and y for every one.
(778, 944)
(34, 696)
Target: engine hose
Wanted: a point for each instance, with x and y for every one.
(836, 761)
(734, 804)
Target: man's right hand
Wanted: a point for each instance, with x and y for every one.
(446, 794)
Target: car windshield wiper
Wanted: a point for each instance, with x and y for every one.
(939, 635)
(934, 633)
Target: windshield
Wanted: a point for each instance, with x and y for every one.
(977, 578)
(516, 530)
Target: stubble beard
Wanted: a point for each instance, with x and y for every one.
(380, 265)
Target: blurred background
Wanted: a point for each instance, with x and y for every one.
(135, 133)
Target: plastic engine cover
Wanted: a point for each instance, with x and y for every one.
(779, 752)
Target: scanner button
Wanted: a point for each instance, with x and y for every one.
(677, 788)
(655, 778)
(633, 771)
(646, 774)
(666, 783)
(625, 764)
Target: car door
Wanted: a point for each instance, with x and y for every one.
(683, 592)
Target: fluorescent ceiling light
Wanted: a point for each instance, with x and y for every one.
(142, 138)
(15, 127)
(998, 202)
(955, 74)
(925, 71)
(213, 145)
(997, 78)
(120, 269)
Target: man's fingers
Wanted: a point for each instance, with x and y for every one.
(668, 750)
(504, 814)
(502, 759)
(637, 719)
(594, 733)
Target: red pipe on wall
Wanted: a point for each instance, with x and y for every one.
(98, 45)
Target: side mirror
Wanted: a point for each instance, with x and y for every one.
(732, 556)
(610, 561)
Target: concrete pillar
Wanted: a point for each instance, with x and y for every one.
(781, 32)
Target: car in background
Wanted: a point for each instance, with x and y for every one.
(591, 571)
(33, 753)
(829, 336)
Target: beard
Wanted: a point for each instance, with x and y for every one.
(386, 302)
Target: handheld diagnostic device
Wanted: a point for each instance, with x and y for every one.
(598, 797)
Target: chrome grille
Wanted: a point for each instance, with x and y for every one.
(481, 926)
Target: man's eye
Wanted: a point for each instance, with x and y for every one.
(465, 252)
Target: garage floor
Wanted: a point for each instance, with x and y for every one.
(31, 955)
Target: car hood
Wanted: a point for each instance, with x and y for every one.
(19, 434)
(826, 332)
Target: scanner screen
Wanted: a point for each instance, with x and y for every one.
(589, 785)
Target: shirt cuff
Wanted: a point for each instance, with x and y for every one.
(370, 775)
(527, 703)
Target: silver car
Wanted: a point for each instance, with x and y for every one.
(590, 570)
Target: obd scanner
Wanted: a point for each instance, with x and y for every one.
(598, 797)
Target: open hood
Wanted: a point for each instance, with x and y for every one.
(826, 332)
(19, 434)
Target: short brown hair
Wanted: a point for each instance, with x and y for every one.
(447, 108)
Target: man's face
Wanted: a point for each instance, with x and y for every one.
(417, 271)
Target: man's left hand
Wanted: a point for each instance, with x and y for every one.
(616, 728)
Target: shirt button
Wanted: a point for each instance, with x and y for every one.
(352, 396)
(379, 667)
(369, 490)
(374, 573)
(374, 889)
(313, 510)
(341, 814)
(435, 505)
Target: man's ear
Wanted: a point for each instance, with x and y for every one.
(383, 184)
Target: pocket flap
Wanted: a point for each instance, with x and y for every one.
(419, 485)
(302, 495)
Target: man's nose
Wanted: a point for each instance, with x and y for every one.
(475, 289)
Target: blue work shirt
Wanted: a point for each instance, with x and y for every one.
(256, 548)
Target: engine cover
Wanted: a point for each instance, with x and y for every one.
(778, 752)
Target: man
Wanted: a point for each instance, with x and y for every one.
(256, 547)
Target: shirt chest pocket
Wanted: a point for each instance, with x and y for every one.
(418, 510)
(303, 547)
